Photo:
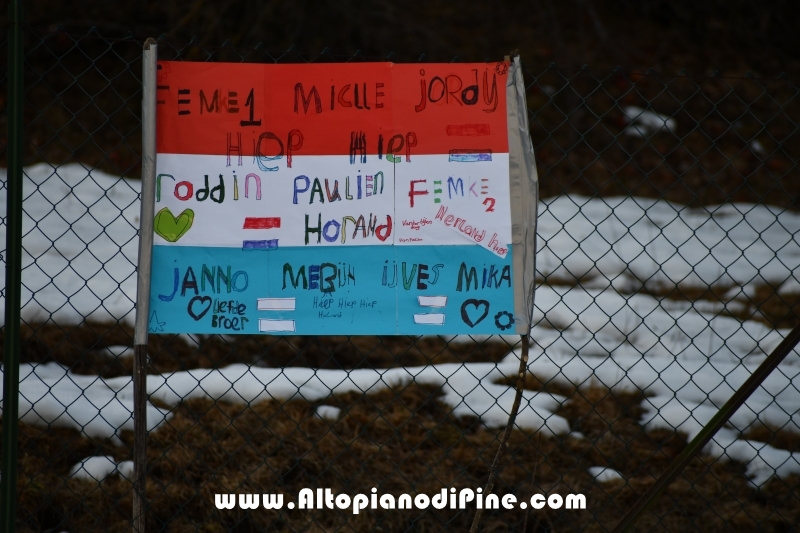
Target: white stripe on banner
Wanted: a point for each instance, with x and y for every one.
(324, 201)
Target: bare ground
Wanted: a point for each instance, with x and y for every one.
(401, 440)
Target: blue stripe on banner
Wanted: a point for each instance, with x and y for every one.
(336, 290)
(271, 244)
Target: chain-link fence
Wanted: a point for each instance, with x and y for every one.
(669, 243)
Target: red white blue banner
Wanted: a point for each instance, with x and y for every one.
(367, 198)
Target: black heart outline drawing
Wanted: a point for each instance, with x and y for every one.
(203, 300)
(477, 304)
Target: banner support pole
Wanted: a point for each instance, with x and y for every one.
(149, 69)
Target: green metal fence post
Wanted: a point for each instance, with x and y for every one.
(8, 463)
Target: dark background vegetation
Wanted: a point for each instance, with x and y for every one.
(733, 36)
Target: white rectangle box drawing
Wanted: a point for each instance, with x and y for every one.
(433, 319)
(276, 304)
(432, 301)
(266, 325)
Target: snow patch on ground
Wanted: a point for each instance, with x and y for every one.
(119, 351)
(602, 474)
(470, 389)
(328, 412)
(94, 468)
(654, 242)
(644, 123)
(51, 395)
(98, 468)
(125, 469)
(684, 394)
(80, 244)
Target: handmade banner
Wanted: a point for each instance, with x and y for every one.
(369, 198)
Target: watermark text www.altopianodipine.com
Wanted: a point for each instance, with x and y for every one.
(317, 499)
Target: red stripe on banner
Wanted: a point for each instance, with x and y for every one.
(358, 109)
(261, 222)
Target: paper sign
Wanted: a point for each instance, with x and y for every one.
(332, 199)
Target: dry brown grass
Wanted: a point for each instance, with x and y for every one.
(766, 304)
(82, 349)
(400, 441)
(774, 436)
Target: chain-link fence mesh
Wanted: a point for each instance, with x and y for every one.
(669, 242)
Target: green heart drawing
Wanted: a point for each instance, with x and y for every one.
(170, 227)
